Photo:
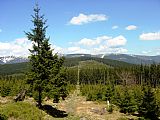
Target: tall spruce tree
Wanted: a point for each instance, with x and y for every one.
(46, 75)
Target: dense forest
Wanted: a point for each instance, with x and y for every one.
(133, 89)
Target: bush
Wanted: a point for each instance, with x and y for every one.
(21, 111)
(3, 117)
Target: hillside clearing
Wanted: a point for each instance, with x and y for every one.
(75, 106)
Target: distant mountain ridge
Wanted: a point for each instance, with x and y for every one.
(12, 60)
(133, 59)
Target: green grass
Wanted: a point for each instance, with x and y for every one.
(27, 111)
(21, 111)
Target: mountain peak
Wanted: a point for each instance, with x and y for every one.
(12, 59)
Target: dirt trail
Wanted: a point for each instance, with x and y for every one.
(88, 110)
(77, 105)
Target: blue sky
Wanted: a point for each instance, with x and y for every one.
(84, 26)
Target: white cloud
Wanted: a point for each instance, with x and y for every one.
(18, 47)
(83, 19)
(99, 45)
(150, 36)
(88, 42)
(131, 27)
(105, 49)
(57, 49)
(145, 52)
(72, 50)
(0, 30)
(114, 45)
(117, 41)
(93, 42)
(114, 27)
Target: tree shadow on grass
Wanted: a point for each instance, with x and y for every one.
(54, 112)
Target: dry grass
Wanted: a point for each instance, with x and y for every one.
(77, 105)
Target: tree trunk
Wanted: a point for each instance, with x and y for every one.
(39, 98)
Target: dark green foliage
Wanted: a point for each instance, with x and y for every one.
(117, 98)
(148, 107)
(5, 90)
(93, 92)
(70, 62)
(3, 117)
(57, 86)
(127, 104)
(137, 95)
(17, 68)
(45, 75)
(11, 85)
(109, 92)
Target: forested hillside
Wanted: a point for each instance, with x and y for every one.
(14, 68)
(114, 63)
(69, 62)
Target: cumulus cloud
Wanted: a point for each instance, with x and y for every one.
(117, 41)
(100, 45)
(131, 27)
(18, 47)
(104, 49)
(71, 50)
(114, 27)
(144, 52)
(150, 36)
(113, 45)
(93, 42)
(83, 19)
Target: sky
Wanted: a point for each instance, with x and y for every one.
(84, 26)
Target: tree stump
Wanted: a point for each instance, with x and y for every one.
(20, 96)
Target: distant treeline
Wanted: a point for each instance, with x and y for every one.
(96, 72)
(138, 74)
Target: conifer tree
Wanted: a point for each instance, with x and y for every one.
(148, 107)
(109, 92)
(127, 104)
(44, 74)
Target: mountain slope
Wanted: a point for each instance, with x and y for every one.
(69, 62)
(14, 68)
(12, 60)
(133, 59)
